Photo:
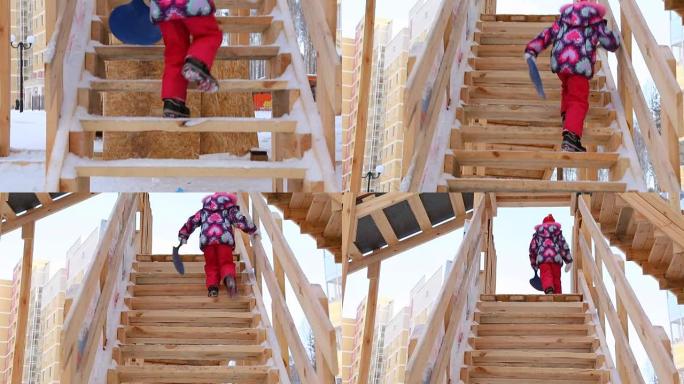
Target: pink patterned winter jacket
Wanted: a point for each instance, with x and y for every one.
(548, 245)
(217, 218)
(166, 10)
(576, 35)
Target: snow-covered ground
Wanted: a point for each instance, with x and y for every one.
(24, 169)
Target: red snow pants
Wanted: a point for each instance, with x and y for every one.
(574, 102)
(550, 274)
(218, 263)
(206, 40)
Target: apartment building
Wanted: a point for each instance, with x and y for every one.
(382, 317)
(5, 307)
(52, 319)
(29, 19)
(39, 275)
(397, 335)
(396, 75)
(376, 107)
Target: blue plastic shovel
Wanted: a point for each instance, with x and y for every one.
(535, 282)
(536, 78)
(131, 24)
(177, 262)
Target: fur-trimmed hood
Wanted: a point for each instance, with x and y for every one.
(547, 226)
(582, 14)
(219, 201)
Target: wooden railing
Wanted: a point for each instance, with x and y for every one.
(311, 297)
(663, 147)
(86, 325)
(447, 37)
(454, 308)
(319, 16)
(590, 281)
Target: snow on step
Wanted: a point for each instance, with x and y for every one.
(208, 124)
(225, 85)
(156, 52)
(528, 186)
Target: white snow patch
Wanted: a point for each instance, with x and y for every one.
(27, 130)
(23, 171)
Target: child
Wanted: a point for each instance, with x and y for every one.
(186, 61)
(548, 250)
(217, 218)
(576, 35)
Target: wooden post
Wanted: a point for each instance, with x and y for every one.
(364, 98)
(626, 32)
(620, 359)
(490, 260)
(670, 129)
(145, 224)
(5, 75)
(490, 7)
(599, 265)
(369, 322)
(349, 223)
(328, 111)
(323, 371)
(280, 276)
(27, 234)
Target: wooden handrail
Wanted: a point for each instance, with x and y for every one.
(323, 330)
(672, 97)
(83, 331)
(458, 281)
(662, 362)
(420, 136)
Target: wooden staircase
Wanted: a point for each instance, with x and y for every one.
(119, 102)
(173, 333)
(533, 339)
(509, 139)
(648, 231)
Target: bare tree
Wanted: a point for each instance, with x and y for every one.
(639, 142)
(303, 39)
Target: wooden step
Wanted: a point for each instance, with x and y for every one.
(156, 52)
(167, 267)
(528, 186)
(532, 298)
(535, 160)
(503, 50)
(203, 124)
(550, 343)
(191, 317)
(514, 94)
(511, 134)
(240, 169)
(220, 4)
(192, 335)
(532, 329)
(225, 85)
(532, 28)
(532, 113)
(521, 38)
(500, 78)
(519, 18)
(169, 258)
(197, 289)
(512, 64)
(531, 318)
(194, 352)
(171, 277)
(537, 307)
(549, 375)
(231, 24)
(526, 358)
(190, 374)
(237, 303)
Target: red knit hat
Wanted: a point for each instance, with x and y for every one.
(549, 219)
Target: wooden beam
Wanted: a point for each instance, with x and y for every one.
(364, 98)
(403, 246)
(280, 280)
(369, 322)
(349, 224)
(382, 202)
(5, 77)
(322, 370)
(419, 212)
(41, 212)
(27, 234)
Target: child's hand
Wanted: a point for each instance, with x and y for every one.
(530, 56)
(568, 267)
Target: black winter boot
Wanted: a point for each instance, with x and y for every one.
(548, 291)
(231, 285)
(175, 109)
(196, 71)
(571, 143)
(213, 292)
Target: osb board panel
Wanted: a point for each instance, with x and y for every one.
(171, 145)
(157, 145)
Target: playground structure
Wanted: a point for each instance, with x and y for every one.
(477, 124)
(496, 338)
(135, 319)
(100, 89)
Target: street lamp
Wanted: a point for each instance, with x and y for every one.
(21, 47)
(374, 175)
